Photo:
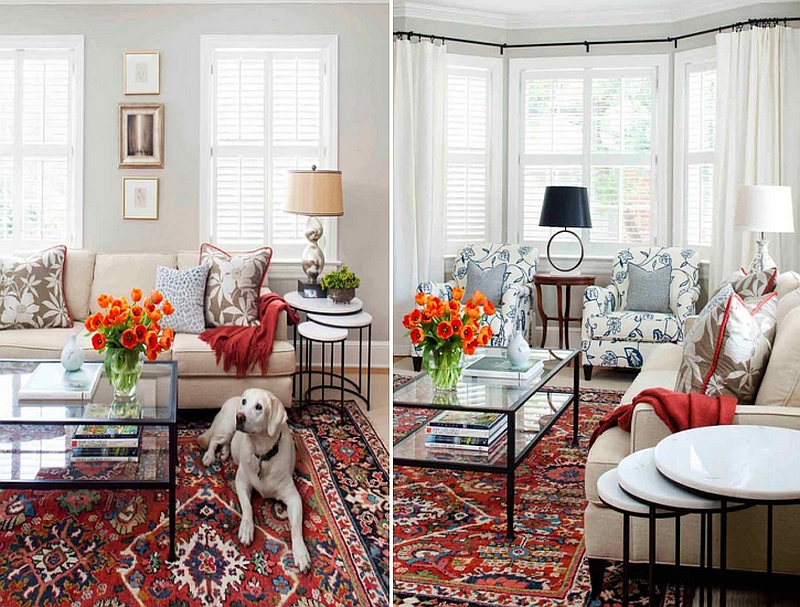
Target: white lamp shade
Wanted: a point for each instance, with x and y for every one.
(764, 208)
(314, 193)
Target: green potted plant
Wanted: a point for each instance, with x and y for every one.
(341, 285)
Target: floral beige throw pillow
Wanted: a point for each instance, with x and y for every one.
(728, 349)
(233, 286)
(32, 291)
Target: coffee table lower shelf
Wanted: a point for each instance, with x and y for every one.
(412, 452)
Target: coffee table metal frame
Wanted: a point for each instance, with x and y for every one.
(562, 359)
(87, 483)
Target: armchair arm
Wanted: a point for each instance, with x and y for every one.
(443, 290)
(597, 300)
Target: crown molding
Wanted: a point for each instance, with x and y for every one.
(563, 16)
(156, 2)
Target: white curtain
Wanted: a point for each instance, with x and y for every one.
(419, 170)
(758, 138)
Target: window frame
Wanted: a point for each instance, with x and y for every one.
(494, 142)
(660, 204)
(684, 60)
(328, 45)
(75, 45)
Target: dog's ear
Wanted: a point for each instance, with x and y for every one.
(277, 416)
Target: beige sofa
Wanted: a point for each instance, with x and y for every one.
(201, 382)
(747, 529)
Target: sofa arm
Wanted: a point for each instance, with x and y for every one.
(688, 323)
(647, 429)
(282, 332)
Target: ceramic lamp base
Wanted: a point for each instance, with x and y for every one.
(762, 260)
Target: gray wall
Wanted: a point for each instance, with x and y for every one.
(598, 266)
(175, 31)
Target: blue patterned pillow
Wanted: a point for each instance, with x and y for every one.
(185, 290)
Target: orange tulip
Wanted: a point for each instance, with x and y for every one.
(167, 308)
(151, 339)
(117, 303)
(109, 321)
(152, 355)
(156, 296)
(407, 321)
(155, 315)
(454, 305)
(141, 332)
(444, 330)
(128, 339)
(136, 294)
(137, 313)
(103, 301)
(419, 299)
(415, 317)
(426, 316)
(488, 308)
(171, 332)
(479, 297)
(470, 347)
(154, 326)
(417, 335)
(122, 317)
(148, 305)
(467, 333)
(98, 341)
(458, 293)
(88, 324)
(457, 325)
(165, 342)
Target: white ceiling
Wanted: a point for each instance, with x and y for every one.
(524, 14)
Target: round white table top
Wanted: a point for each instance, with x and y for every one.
(349, 321)
(311, 330)
(759, 463)
(639, 477)
(612, 495)
(322, 305)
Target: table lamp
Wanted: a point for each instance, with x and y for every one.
(565, 207)
(764, 208)
(315, 194)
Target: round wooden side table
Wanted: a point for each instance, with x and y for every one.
(563, 318)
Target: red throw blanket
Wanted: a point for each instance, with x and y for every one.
(677, 410)
(243, 347)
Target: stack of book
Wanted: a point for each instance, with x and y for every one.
(477, 432)
(105, 443)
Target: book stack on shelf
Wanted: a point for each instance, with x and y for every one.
(479, 433)
(106, 443)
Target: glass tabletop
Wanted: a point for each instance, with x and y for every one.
(157, 397)
(480, 393)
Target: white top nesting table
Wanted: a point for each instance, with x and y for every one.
(322, 305)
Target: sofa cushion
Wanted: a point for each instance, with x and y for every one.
(648, 291)
(117, 273)
(488, 281)
(185, 290)
(47, 343)
(607, 451)
(786, 283)
(32, 293)
(728, 352)
(78, 277)
(634, 326)
(781, 383)
(195, 357)
(233, 286)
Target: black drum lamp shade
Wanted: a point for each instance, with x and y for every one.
(565, 207)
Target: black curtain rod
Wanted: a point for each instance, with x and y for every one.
(739, 25)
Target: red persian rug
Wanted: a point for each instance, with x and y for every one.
(449, 527)
(108, 549)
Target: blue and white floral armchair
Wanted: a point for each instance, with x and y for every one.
(516, 299)
(614, 336)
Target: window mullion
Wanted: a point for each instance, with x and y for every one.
(586, 160)
(18, 150)
(269, 211)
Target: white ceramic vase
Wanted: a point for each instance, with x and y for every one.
(72, 356)
(518, 352)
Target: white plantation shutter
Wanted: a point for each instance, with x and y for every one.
(594, 127)
(700, 103)
(39, 172)
(469, 152)
(270, 113)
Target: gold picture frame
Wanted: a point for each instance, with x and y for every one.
(140, 198)
(141, 73)
(141, 136)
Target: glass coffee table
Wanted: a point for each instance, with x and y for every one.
(531, 409)
(35, 437)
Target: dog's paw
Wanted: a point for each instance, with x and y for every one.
(224, 453)
(301, 557)
(208, 458)
(246, 532)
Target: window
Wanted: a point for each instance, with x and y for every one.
(596, 122)
(270, 103)
(41, 141)
(695, 114)
(474, 149)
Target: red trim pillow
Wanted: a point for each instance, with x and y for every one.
(729, 351)
(233, 286)
(32, 293)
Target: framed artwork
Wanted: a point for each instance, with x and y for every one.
(141, 135)
(140, 198)
(142, 73)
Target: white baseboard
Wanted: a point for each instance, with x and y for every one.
(381, 354)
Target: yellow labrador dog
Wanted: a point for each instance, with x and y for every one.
(253, 429)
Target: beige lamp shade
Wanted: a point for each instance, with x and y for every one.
(764, 208)
(314, 193)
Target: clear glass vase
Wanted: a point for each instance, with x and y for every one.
(444, 367)
(123, 368)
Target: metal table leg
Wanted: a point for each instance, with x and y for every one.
(173, 464)
(723, 553)
(703, 577)
(576, 397)
(510, 473)
(678, 560)
(651, 581)
(626, 557)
